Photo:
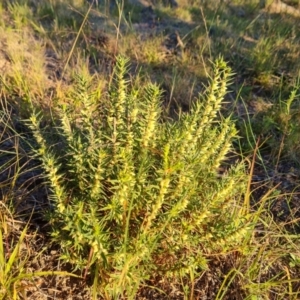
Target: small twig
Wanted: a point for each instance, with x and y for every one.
(88, 263)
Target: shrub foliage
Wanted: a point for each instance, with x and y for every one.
(135, 195)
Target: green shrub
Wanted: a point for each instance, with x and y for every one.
(135, 195)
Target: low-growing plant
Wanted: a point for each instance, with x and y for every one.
(135, 195)
(278, 123)
(16, 275)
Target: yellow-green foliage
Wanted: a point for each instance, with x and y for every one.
(133, 193)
